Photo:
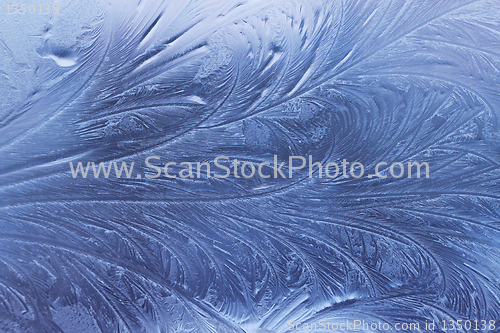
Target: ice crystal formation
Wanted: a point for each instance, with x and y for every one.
(367, 81)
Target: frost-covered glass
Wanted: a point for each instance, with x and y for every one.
(161, 249)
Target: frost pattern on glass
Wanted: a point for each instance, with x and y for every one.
(367, 81)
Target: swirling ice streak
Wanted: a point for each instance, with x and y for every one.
(367, 81)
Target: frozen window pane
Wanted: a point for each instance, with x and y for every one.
(122, 208)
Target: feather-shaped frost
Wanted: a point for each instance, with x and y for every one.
(368, 81)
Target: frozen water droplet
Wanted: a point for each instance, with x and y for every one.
(63, 61)
(63, 57)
